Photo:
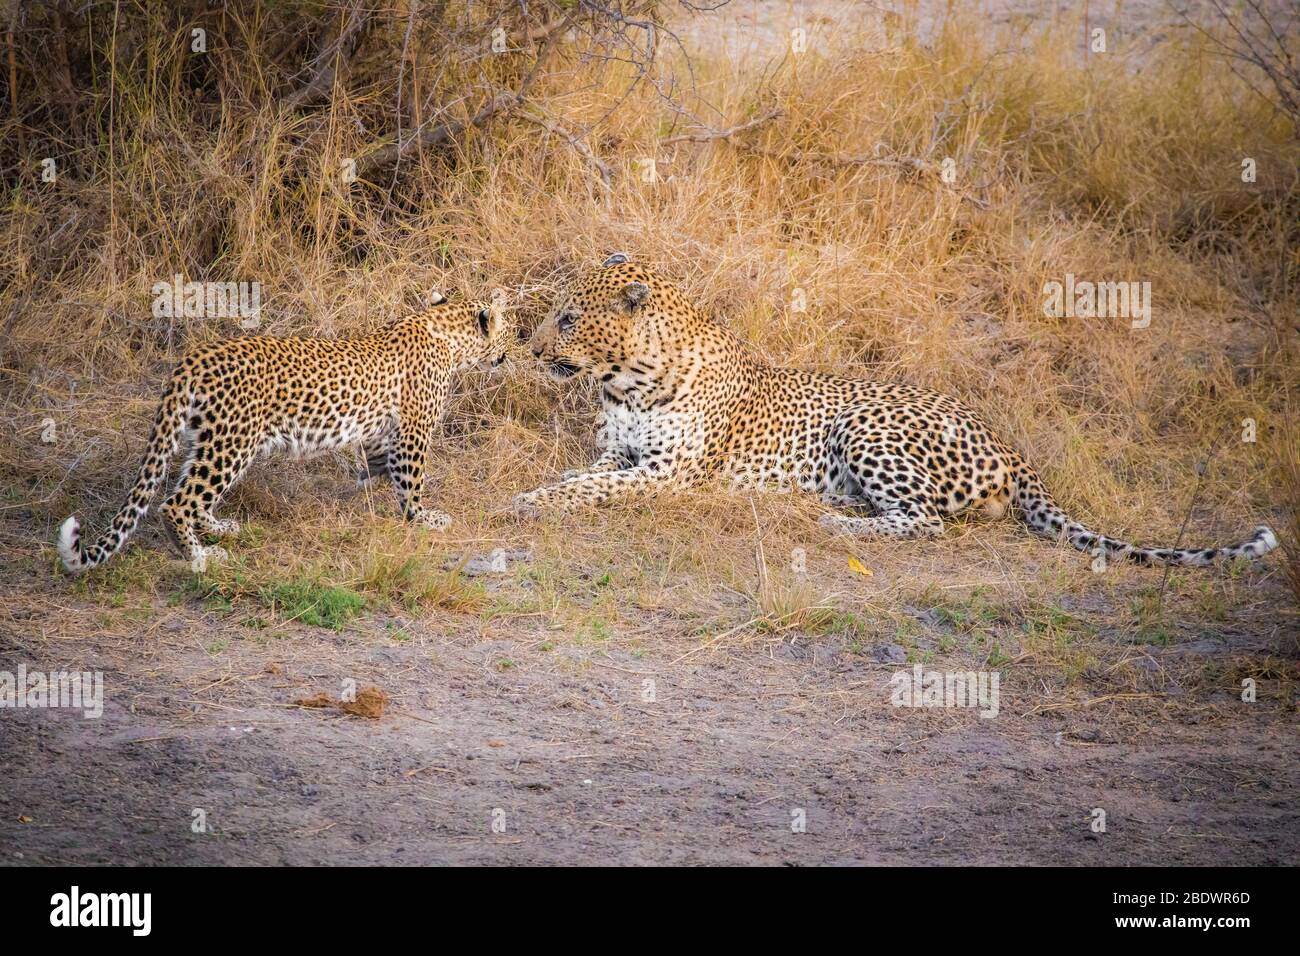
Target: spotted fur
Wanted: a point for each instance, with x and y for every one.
(235, 400)
(683, 399)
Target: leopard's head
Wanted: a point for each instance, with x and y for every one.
(599, 325)
(478, 333)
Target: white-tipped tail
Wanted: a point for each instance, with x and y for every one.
(1041, 514)
(70, 545)
(163, 442)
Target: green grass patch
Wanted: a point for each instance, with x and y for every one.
(314, 603)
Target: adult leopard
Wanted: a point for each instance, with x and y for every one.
(684, 399)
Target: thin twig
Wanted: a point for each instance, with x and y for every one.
(1201, 468)
(583, 150)
(325, 65)
(401, 77)
(446, 132)
(707, 135)
(13, 86)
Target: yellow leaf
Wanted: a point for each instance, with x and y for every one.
(857, 567)
(24, 819)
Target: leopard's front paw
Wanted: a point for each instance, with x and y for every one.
(526, 506)
(836, 524)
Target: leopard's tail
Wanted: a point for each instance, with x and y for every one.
(163, 443)
(1043, 516)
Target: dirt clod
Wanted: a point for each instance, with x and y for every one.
(370, 703)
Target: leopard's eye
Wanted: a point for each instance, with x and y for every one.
(566, 321)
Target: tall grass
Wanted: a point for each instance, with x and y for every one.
(838, 198)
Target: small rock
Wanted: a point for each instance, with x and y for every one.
(498, 562)
(890, 654)
(1198, 647)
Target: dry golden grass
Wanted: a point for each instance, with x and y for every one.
(1100, 171)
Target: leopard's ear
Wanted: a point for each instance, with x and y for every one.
(636, 294)
(617, 259)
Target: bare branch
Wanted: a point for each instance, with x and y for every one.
(436, 136)
(707, 135)
(445, 132)
(325, 66)
(583, 150)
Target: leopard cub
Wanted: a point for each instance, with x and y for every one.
(233, 401)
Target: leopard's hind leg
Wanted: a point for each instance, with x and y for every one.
(211, 470)
(891, 478)
(375, 467)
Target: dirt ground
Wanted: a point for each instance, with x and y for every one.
(548, 734)
(751, 30)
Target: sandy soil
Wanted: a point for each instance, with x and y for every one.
(548, 734)
(750, 31)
